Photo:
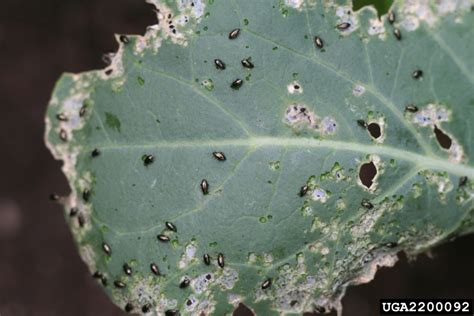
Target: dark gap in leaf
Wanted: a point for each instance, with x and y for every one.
(382, 6)
(463, 181)
(443, 139)
(374, 130)
(367, 173)
(320, 310)
(242, 310)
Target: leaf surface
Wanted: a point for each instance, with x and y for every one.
(348, 141)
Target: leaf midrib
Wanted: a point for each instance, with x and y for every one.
(424, 162)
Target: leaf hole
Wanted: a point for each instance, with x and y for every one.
(243, 310)
(367, 173)
(374, 130)
(382, 7)
(444, 140)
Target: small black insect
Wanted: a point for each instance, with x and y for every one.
(185, 283)
(86, 195)
(107, 249)
(391, 244)
(365, 203)
(247, 63)
(81, 220)
(163, 238)
(127, 269)
(362, 123)
(95, 153)
(417, 74)
(266, 284)
(411, 108)
(219, 64)
(63, 135)
(97, 275)
(463, 181)
(83, 111)
(54, 197)
(171, 226)
(219, 155)
(236, 84)
(104, 281)
(397, 34)
(391, 17)
(234, 34)
(128, 307)
(319, 42)
(146, 308)
(303, 190)
(61, 117)
(154, 269)
(171, 312)
(119, 284)
(124, 39)
(148, 159)
(73, 211)
(207, 259)
(343, 26)
(319, 309)
(204, 187)
(220, 260)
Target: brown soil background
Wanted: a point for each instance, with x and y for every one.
(40, 271)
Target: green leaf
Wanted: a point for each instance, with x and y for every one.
(321, 162)
(382, 6)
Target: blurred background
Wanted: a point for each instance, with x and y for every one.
(40, 270)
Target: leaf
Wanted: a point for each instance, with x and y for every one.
(382, 6)
(320, 144)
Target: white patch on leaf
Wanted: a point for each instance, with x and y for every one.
(294, 87)
(202, 282)
(295, 4)
(431, 115)
(298, 114)
(413, 12)
(227, 279)
(376, 27)
(358, 90)
(328, 126)
(174, 25)
(319, 195)
(346, 15)
(188, 256)
(234, 299)
(440, 180)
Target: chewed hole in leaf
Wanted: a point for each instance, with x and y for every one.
(367, 173)
(300, 112)
(382, 7)
(374, 130)
(243, 310)
(444, 140)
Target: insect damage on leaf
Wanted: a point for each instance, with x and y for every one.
(202, 126)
